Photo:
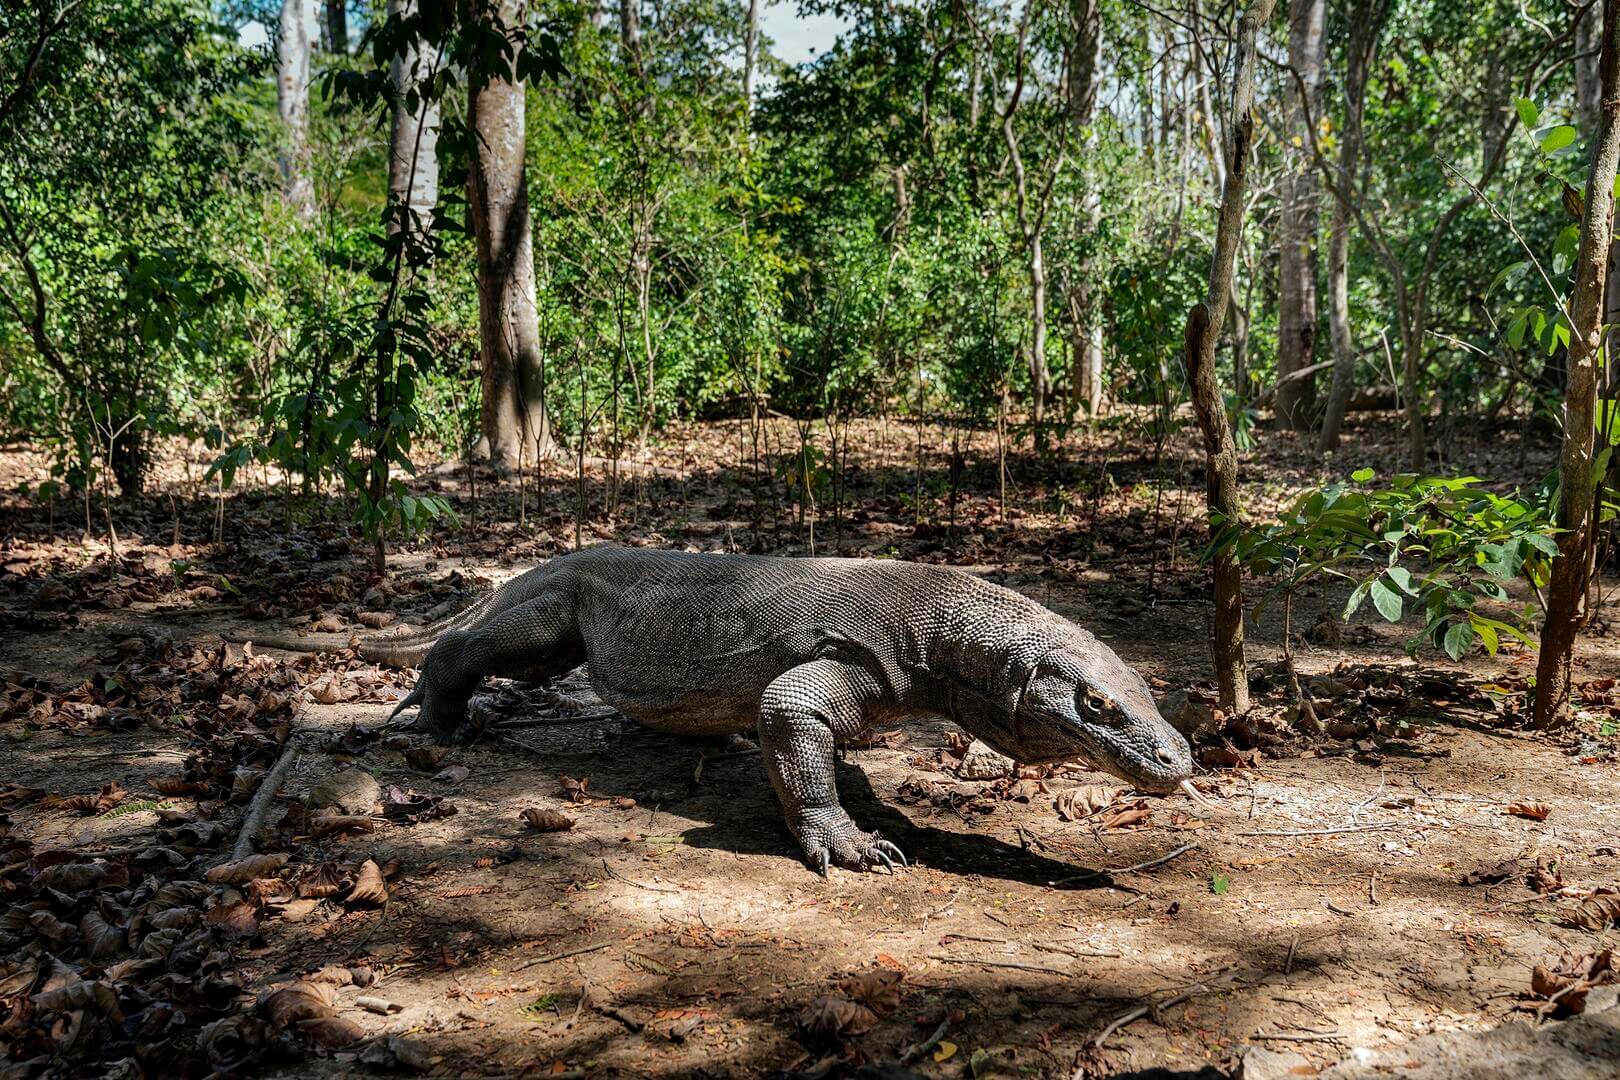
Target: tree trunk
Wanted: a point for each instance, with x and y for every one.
(293, 38)
(630, 33)
(1366, 26)
(1203, 333)
(337, 25)
(513, 421)
(750, 59)
(1085, 327)
(1040, 377)
(1296, 299)
(413, 164)
(1571, 569)
(1588, 111)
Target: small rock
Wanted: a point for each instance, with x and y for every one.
(354, 791)
(982, 763)
(1261, 1063)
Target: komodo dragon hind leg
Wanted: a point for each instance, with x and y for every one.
(802, 714)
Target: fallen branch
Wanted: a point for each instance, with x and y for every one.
(1327, 832)
(1160, 861)
(932, 1041)
(259, 808)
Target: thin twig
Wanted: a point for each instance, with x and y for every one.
(1143, 1010)
(1326, 832)
(1311, 1036)
(996, 964)
(582, 950)
(1160, 861)
(932, 1041)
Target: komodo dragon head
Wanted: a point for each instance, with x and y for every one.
(1073, 697)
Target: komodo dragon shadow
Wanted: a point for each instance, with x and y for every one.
(806, 652)
(948, 850)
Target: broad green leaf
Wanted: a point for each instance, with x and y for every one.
(1402, 577)
(1558, 138)
(1458, 638)
(1387, 601)
(1528, 112)
(1361, 476)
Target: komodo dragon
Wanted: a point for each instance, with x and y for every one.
(808, 651)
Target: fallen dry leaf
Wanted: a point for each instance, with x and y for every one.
(878, 989)
(328, 822)
(542, 820)
(1125, 818)
(370, 890)
(245, 870)
(575, 790)
(1568, 978)
(1533, 811)
(835, 1018)
(1599, 911)
(299, 1001)
(1083, 802)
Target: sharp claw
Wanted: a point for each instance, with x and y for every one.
(825, 859)
(895, 850)
(878, 851)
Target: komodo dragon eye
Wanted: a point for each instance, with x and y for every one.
(1094, 703)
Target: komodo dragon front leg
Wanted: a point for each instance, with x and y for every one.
(802, 714)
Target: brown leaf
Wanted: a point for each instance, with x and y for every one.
(15, 795)
(425, 758)
(299, 1001)
(97, 998)
(542, 820)
(835, 1018)
(1533, 811)
(1125, 817)
(245, 870)
(878, 989)
(375, 619)
(575, 790)
(72, 877)
(1083, 802)
(101, 938)
(332, 1032)
(1599, 911)
(236, 920)
(329, 822)
(452, 774)
(369, 890)
(1568, 978)
(325, 880)
(624, 804)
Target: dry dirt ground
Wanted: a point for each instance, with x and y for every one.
(673, 930)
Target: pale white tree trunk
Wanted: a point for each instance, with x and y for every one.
(295, 35)
(1296, 292)
(413, 164)
(750, 56)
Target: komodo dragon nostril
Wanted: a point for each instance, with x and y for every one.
(1165, 756)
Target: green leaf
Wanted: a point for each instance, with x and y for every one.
(1387, 601)
(1219, 883)
(1528, 112)
(1361, 476)
(1402, 577)
(1458, 638)
(1558, 138)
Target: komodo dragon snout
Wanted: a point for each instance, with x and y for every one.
(1084, 701)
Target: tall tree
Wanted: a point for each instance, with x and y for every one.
(1571, 570)
(337, 25)
(750, 57)
(1202, 335)
(1081, 102)
(1296, 291)
(513, 422)
(294, 39)
(413, 165)
(1367, 18)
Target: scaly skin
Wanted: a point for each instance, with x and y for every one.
(806, 652)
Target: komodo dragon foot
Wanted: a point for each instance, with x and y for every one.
(830, 838)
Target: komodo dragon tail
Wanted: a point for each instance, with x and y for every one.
(409, 650)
